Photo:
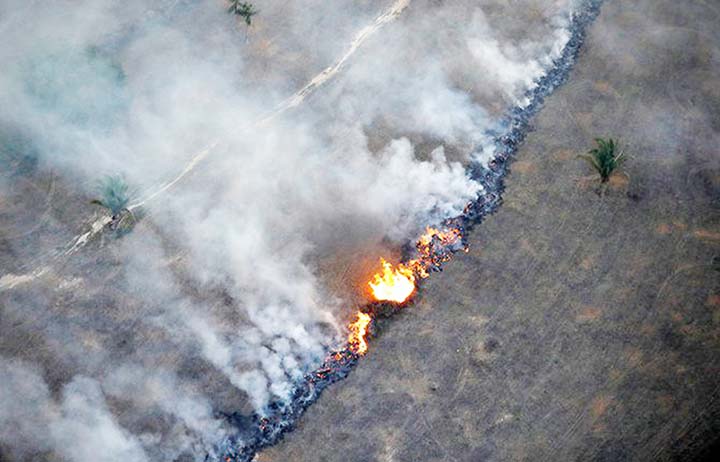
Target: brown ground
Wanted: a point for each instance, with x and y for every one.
(579, 326)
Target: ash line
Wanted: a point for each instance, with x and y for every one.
(282, 417)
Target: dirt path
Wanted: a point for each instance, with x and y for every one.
(97, 225)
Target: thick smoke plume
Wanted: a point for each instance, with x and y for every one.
(240, 277)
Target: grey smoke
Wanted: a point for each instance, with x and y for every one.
(219, 300)
(78, 425)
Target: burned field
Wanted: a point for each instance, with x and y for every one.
(577, 327)
(572, 320)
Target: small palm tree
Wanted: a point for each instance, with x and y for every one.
(115, 198)
(115, 194)
(245, 10)
(605, 158)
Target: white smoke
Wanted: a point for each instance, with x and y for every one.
(79, 425)
(219, 295)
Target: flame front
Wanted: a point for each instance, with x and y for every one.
(358, 331)
(397, 284)
(394, 285)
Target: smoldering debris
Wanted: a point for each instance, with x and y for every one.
(200, 328)
(267, 429)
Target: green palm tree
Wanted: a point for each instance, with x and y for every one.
(115, 194)
(245, 10)
(605, 158)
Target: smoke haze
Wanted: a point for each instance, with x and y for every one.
(228, 290)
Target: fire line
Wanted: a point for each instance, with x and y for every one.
(282, 417)
(398, 284)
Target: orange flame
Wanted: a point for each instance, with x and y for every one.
(397, 284)
(358, 331)
(394, 285)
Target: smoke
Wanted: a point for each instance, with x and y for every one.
(78, 424)
(223, 296)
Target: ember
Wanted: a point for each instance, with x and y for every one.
(434, 248)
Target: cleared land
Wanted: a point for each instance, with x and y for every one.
(578, 327)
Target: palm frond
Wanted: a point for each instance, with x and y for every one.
(245, 10)
(604, 158)
(591, 160)
(115, 194)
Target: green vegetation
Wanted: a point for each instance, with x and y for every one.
(116, 196)
(605, 158)
(245, 10)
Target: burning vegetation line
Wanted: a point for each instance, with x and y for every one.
(394, 286)
(433, 248)
(397, 285)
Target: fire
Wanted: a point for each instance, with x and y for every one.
(394, 285)
(397, 284)
(358, 331)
